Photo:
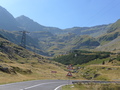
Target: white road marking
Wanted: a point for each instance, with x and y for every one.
(59, 86)
(37, 85)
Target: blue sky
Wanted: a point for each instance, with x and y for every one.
(66, 13)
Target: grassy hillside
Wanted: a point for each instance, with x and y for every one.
(32, 43)
(100, 69)
(63, 43)
(85, 42)
(110, 42)
(108, 37)
(19, 64)
(114, 26)
(92, 65)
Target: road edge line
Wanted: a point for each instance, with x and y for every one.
(59, 86)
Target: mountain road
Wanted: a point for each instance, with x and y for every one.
(48, 84)
(36, 85)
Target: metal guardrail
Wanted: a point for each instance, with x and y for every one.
(95, 82)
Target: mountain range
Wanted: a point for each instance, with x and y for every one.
(8, 22)
(51, 41)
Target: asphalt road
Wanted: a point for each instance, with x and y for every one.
(36, 85)
(47, 84)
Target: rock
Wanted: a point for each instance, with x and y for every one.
(96, 75)
(8, 70)
(22, 71)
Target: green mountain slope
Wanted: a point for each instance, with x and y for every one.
(19, 64)
(31, 43)
(113, 46)
(80, 57)
(85, 41)
(110, 40)
(13, 52)
(114, 26)
(108, 37)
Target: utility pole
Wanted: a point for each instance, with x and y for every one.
(23, 40)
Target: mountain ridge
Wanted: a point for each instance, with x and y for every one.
(7, 21)
(25, 23)
(55, 40)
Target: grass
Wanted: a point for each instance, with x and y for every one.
(71, 87)
(97, 71)
(22, 61)
(96, 61)
(39, 71)
(24, 65)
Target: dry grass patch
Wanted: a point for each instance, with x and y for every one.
(38, 71)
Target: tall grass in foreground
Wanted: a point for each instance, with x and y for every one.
(92, 87)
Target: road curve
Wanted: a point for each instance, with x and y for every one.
(48, 84)
(36, 85)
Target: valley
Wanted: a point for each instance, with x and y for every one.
(93, 51)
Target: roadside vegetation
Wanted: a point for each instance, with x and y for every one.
(92, 87)
(19, 64)
(17, 72)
